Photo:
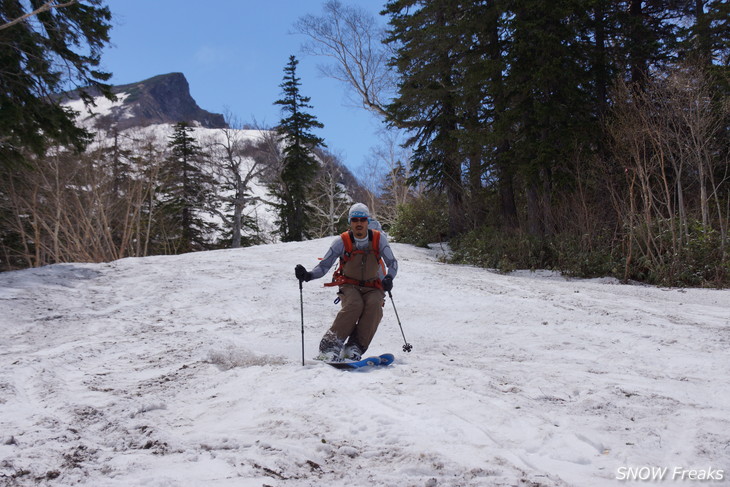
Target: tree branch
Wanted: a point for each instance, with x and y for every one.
(43, 8)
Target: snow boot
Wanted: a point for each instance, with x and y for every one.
(328, 356)
(353, 352)
(330, 348)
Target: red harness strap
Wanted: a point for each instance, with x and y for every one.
(339, 278)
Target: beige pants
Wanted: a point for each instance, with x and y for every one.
(358, 320)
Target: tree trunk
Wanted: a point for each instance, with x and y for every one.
(637, 41)
(508, 208)
(601, 71)
(534, 225)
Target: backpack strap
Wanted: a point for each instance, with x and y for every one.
(376, 249)
(348, 239)
(375, 239)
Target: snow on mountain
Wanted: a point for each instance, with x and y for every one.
(144, 114)
(186, 371)
(137, 134)
(102, 107)
(259, 206)
(161, 99)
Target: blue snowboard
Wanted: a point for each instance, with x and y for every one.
(385, 359)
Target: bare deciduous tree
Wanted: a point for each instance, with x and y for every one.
(386, 177)
(269, 150)
(78, 207)
(236, 165)
(666, 138)
(330, 201)
(351, 37)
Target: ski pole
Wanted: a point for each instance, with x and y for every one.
(301, 306)
(407, 347)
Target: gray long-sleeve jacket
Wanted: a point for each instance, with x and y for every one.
(337, 250)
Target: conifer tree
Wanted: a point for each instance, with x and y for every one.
(54, 51)
(648, 34)
(706, 38)
(299, 164)
(549, 103)
(185, 194)
(429, 99)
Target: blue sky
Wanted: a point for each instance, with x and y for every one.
(233, 53)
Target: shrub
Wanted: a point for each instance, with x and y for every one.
(421, 221)
(700, 261)
(508, 251)
(691, 256)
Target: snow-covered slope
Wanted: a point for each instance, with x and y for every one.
(137, 140)
(186, 371)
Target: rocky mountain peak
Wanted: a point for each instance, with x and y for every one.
(161, 99)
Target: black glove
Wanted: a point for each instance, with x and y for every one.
(302, 273)
(387, 283)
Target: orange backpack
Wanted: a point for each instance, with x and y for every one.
(348, 240)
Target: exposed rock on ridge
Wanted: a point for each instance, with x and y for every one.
(162, 99)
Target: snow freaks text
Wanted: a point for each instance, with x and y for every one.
(655, 474)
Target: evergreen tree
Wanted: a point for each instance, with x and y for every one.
(706, 37)
(184, 195)
(429, 101)
(648, 34)
(42, 56)
(549, 106)
(718, 27)
(299, 164)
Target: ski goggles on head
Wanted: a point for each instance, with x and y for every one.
(359, 219)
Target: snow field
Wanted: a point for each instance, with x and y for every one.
(186, 370)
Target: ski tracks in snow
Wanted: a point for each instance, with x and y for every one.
(185, 370)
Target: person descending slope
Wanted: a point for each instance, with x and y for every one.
(362, 280)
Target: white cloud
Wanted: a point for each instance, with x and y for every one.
(209, 55)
